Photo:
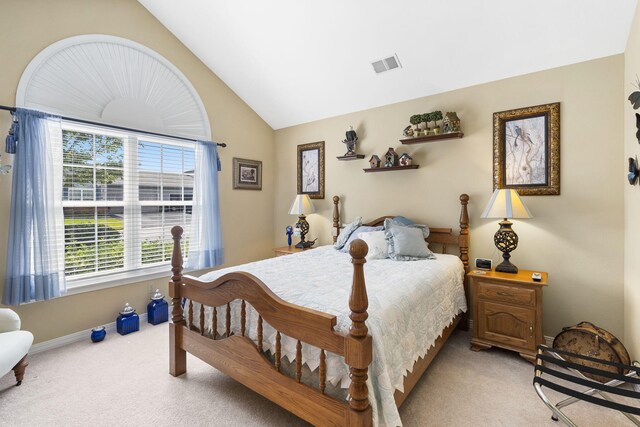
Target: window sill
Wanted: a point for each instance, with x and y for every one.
(113, 280)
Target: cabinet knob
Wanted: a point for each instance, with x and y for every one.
(504, 294)
(530, 329)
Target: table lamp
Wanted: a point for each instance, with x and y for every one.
(506, 203)
(301, 206)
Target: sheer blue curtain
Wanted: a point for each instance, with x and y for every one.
(205, 239)
(35, 260)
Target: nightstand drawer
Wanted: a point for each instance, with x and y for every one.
(502, 293)
(506, 324)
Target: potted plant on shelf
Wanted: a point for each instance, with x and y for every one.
(425, 119)
(416, 119)
(435, 116)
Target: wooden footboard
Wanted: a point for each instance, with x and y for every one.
(240, 358)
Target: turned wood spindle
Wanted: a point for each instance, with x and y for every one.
(278, 351)
(177, 314)
(299, 361)
(323, 371)
(464, 231)
(190, 314)
(358, 301)
(243, 317)
(214, 323)
(260, 333)
(202, 319)
(228, 320)
(358, 304)
(336, 218)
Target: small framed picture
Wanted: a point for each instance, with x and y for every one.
(247, 174)
(526, 150)
(311, 169)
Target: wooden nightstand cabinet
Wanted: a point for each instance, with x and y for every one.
(507, 311)
(288, 250)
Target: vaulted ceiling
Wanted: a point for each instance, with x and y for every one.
(297, 61)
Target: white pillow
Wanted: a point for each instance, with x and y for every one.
(377, 242)
(346, 233)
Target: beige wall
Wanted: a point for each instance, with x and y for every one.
(569, 233)
(247, 216)
(631, 198)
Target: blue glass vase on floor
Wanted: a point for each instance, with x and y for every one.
(128, 321)
(98, 333)
(157, 309)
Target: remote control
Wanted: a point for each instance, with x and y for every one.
(536, 277)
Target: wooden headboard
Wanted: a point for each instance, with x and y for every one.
(437, 236)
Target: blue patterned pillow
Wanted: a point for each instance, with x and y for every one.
(406, 243)
(346, 233)
(356, 233)
(395, 221)
(402, 220)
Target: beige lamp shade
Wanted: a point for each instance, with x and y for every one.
(506, 203)
(301, 205)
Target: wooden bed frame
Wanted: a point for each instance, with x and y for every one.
(238, 356)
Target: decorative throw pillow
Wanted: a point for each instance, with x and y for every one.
(377, 243)
(346, 233)
(406, 243)
(424, 228)
(402, 220)
(356, 235)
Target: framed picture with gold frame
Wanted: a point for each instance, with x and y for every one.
(311, 169)
(526, 150)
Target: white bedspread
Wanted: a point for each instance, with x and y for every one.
(410, 303)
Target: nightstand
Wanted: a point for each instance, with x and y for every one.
(288, 250)
(507, 311)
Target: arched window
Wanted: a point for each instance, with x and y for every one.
(121, 191)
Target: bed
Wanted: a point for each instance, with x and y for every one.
(249, 331)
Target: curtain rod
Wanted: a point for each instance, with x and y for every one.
(89, 122)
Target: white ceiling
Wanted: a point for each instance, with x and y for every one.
(298, 61)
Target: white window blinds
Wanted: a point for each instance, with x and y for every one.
(121, 196)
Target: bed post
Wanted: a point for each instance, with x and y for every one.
(335, 231)
(358, 345)
(464, 231)
(177, 356)
(464, 253)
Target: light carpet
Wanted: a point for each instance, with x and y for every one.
(125, 380)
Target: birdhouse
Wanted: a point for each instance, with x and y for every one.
(374, 161)
(390, 158)
(451, 123)
(405, 159)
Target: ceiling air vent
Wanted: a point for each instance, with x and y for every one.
(386, 64)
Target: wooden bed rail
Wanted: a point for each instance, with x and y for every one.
(242, 359)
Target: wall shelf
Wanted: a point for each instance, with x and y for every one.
(392, 168)
(431, 138)
(354, 157)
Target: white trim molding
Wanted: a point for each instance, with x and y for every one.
(75, 337)
(116, 81)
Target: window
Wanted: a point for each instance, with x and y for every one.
(121, 195)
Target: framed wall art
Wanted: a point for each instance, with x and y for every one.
(526, 150)
(247, 174)
(311, 169)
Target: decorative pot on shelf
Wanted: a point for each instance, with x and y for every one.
(98, 333)
(157, 309)
(436, 130)
(128, 321)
